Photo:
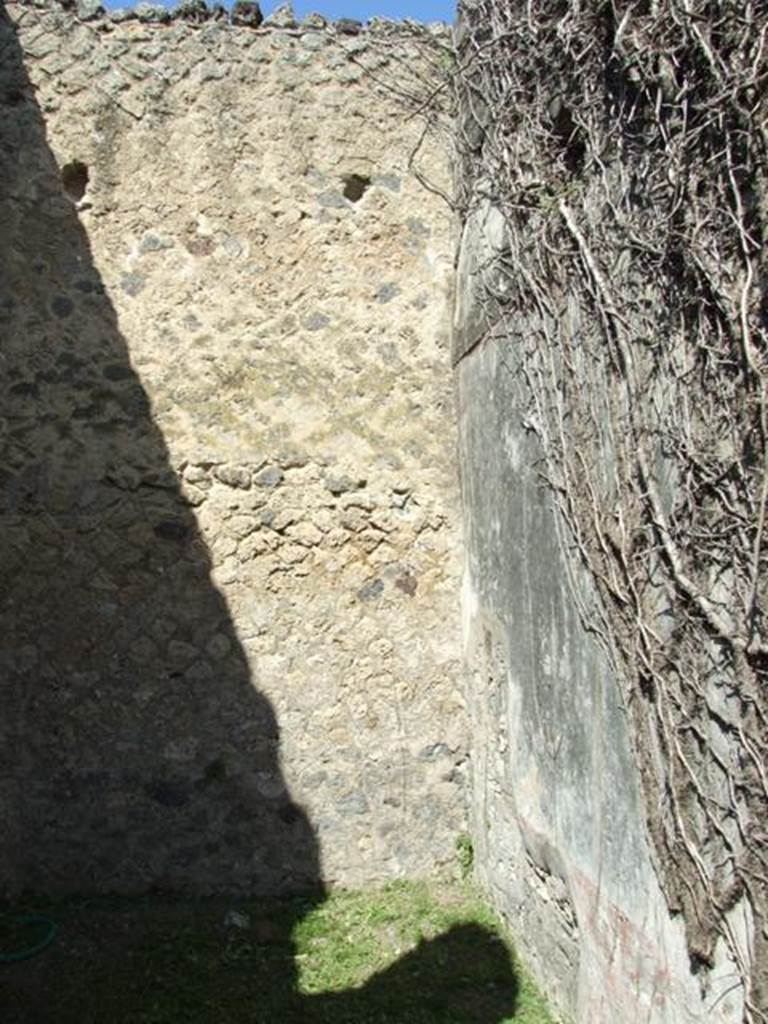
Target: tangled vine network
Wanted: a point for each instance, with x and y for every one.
(624, 144)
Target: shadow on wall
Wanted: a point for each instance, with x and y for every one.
(136, 753)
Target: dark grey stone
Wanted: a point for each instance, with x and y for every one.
(195, 11)
(191, 323)
(371, 590)
(386, 292)
(270, 476)
(348, 26)
(245, 12)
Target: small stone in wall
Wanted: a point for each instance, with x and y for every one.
(384, 554)
(359, 499)
(154, 243)
(196, 474)
(218, 646)
(353, 519)
(386, 292)
(352, 803)
(341, 484)
(241, 526)
(417, 227)
(233, 476)
(181, 654)
(88, 9)
(306, 534)
(313, 20)
(201, 245)
(195, 11)
(292, 554)
(244, 12)
(348, 26)
(292, 460)
(132, 283)
(152, 12)
(193, 495)
(390, 181)
(371, 590)
(191, 323)
(332, 199)
(407, 584)
(383, 520)
(284, 518)
(281, 17)
(270, 476)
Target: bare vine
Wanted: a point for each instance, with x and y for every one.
(624, 143)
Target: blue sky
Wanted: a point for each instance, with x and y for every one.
(424, 10)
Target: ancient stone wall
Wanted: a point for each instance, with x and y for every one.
(228, 530)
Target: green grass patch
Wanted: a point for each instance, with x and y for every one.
(411, 953)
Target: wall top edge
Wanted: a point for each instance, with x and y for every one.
(244, 16)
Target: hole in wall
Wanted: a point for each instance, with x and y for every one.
(74, 178)
(355, 186)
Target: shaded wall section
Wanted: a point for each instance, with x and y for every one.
(228, 504)
(136, 748)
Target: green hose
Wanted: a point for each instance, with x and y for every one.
(38, 947)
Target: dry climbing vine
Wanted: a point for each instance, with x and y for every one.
(624, 144)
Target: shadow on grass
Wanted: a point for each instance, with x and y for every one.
(161, 963)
